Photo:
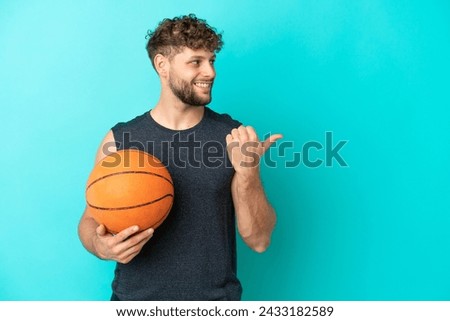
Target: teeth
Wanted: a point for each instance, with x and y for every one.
(203, 84)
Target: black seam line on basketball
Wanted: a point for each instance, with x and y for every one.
(129, 172)
(128, 207)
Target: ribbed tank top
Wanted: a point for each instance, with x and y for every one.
(192, 255)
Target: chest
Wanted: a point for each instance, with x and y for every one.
(195, 162)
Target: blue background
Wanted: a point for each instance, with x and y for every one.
(373, 72)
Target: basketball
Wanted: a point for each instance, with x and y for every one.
(129, 187)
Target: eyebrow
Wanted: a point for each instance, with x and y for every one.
(201, 57)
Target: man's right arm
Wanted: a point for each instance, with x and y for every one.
(122, 247)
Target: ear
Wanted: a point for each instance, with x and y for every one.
(161, 65)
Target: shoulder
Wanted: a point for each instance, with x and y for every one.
(107, 147)
(133, 133)
(222, 120)
(138, 120)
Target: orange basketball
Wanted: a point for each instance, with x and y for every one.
(129, 187)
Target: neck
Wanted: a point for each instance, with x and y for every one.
(171, 113)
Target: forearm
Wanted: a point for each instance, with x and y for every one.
(86, 232)
(255, 216)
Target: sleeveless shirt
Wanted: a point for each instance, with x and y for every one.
(192, 255)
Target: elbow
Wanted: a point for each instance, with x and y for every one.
(260, 247)
(257, 238)
(258, 242)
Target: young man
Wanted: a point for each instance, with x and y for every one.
(214, 163)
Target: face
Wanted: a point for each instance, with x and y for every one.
(191, 76)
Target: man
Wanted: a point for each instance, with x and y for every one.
(214, 163)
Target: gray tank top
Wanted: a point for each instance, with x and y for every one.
(192, 255)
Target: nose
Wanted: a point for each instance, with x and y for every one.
(208, 70)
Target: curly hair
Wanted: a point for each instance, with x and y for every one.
(172, 35)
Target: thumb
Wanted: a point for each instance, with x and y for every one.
(101, 230)
(269, 141)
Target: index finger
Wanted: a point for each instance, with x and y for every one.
(269, 141)
(126, 233)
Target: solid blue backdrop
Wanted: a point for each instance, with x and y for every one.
(372, 72)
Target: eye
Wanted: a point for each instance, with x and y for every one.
(212, 61)
(195, 62)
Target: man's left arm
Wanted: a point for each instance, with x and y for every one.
(255, 216)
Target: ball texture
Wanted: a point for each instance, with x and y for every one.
(129, 187)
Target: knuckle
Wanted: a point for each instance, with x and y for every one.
(109, 243)
(137, 251)
(134, 248)
(126, 235)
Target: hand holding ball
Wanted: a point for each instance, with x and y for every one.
(129, 187)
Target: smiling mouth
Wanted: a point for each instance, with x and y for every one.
(203, 84)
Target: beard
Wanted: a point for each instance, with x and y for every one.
(185, 92)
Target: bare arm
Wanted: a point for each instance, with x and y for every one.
(255, 216)
(122, 247)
